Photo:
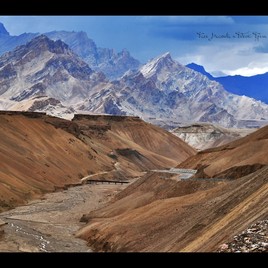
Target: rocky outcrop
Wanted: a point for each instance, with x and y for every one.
(101, 117)
(253, 239)
(27, 114)
(204, 136)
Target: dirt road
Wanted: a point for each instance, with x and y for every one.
(49, 224)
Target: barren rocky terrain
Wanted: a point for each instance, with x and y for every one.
(253, 239)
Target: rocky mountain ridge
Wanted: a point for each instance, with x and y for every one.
(113, 64)
(162, 92)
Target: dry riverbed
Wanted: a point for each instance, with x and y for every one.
(49, 224)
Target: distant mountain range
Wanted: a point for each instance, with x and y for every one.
(253, 86)
(106, 60)
(46, 75)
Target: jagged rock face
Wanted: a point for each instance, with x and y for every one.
(30, 51)
(165, 90)
(253, 239)
(79, 43)
(49, 68)
(113, 64)
(105, 60)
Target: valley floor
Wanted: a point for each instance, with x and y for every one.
(184, 215)
(49, 224)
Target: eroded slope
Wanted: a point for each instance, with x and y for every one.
(39, 153)
(160, 214)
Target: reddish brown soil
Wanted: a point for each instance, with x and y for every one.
(39, 153)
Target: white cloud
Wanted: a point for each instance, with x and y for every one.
(229, 58)
(248, 71)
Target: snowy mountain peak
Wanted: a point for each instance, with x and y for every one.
(165, 55)
(155, 65)
(3, 29)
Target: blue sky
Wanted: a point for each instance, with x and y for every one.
(223, 44)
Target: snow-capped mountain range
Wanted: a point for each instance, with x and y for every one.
(46, 75)
(113, 64)
(164, 90)
(105, 60)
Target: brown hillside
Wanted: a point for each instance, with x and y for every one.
(233, 160)
(152, 142)
(40, 153)
(157, 213)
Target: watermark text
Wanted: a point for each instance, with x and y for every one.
(256, 36)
